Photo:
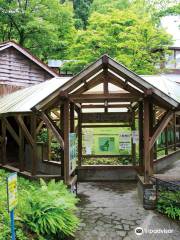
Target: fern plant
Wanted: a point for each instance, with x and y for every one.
(49, 210)
(169, 204)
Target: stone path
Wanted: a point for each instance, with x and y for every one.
(112, 211)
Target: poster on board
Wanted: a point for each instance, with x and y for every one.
(72, 152)
(88, 141)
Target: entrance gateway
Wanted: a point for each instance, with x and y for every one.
(106, 110)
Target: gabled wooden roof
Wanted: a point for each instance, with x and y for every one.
(29, 55)
(40, 96)
(120, 75)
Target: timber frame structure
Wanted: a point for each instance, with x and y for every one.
(66, 110)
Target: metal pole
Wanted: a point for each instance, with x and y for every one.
(13, 237)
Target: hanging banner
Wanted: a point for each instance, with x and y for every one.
(12, 197)
(72, 152)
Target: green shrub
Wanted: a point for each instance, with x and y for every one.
(49, 210)
(44, 211)
(169, 204)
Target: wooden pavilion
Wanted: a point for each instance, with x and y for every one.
(66, 107)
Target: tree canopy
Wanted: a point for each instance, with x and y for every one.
(82, 30)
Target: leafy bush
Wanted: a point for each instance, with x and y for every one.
(44, 211)
(169, 204)
(49, 210)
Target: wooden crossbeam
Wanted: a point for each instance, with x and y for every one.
(161, 126)
(53, 127)
(119, 97)
(109, 106)
(26, 132)
(11, 131)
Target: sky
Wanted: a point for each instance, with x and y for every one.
(172, 25)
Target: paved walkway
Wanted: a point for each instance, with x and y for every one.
(112, 211)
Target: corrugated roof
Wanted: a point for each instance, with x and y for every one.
(166, 85)
(23, 100)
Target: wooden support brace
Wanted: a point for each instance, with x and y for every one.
(26, 132)
(12, 131)
(52, 126)
(161, 126)
(39, 127)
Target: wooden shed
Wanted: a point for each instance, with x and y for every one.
(20, 69)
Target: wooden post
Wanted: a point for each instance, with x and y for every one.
(133, 145)
(66, 142)
(49, 143)
(141, 141)
(151, 125)
(79, 137)
(4, 142)
(166, 140)
(62, 129)
(174, 130)
(71, 117)
(21, 150)
(34, 147)
(154, 123)
(146, 140)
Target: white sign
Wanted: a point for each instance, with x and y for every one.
(125, 146)
(88, 141)
(125, 137)
(135, 136)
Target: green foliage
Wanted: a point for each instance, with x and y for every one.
(169, 204)
(128, 31)
(81, 12)
(49, 210)
(106, 161)
(45, 27)
(44, 211)
(130, 36)
(104, 6)
(55, 146)
(43, 136)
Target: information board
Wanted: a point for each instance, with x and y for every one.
(12, 191)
